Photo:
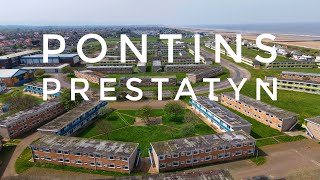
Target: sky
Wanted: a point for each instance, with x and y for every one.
(157, 12)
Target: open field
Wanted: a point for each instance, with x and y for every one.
(123, 129)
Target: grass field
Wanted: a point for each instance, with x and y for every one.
(123, 130)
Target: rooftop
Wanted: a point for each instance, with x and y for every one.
(45, 66)
(8, 73)
(300, 73)
(94, 146)
(213, 69)
(65, 119)
(51, 85)
(191, 143)
(94, 73)
(280, 113)
(50, 56)
(25, 114)
(222, 112)
(315, 120)
(102, 67)
(18, 54)
(186, 65)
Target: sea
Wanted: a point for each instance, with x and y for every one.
(299, 29)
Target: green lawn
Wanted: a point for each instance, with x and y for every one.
(123, 130)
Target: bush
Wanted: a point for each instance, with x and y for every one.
(174, 111)
(187, 130)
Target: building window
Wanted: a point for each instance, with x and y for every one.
(188, 161)
(188, 153)
(78, 154)
(67, 160)
(91, 155)
(250, 143)
(227, 147)
(111, 166)
(220, 156)
(99, 164)
(126, 167)
(98, 155)
(195, 152)
(208, 158)
(161, 157)
(47, 150)
(195, 160)
(227, 155)
(250, 151)
(124, 159)
(92, 163)
(47, 158)
(208, 150)
(162, 165)
(111, 157)
(66, 152)
(238, 153)
(239, 145)
(78, 162)
(175, 155)
(175, 163)
(59, 152)
(35, 157)
(60, 160)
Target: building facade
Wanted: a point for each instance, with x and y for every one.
(146, 81)
(71, 122)
(313, 127)
(299, 86)
(198, 76)
(300, 76)
(291, 64)
(187, 68)
(220, 116)
(25, 121)
(72, 59)
(3, 87)
(11, 60)
(86, 153)
(274, 117)
(193, 151)
(15, 77)
(112, 69)
(37, 89)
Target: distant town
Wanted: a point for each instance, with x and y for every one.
(149, 139)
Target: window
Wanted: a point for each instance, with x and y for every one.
(188, 161)
(238, 153)
(250, 151)
(208, 158)
(91, 155)
(124, 159)
(47, 158)
(78, 154)
(195, 160)
(220, 148)
(78, 162)
(111, 157)
(66, 152)
(60, 160)
(209, 150)
(111, 166)
(220, 156)
(59, 152)
(227, 147)
(46, 150)
(175, 163)
(162, 165)
(195, 152)
(227, 155)
(67, 160)
(175, 155)
(126, 167)
(98, 155)
(188, 153)
(250, 143)
(92, 163)
(239, 145)
(161, 157)
(35, 157)
(99, 164)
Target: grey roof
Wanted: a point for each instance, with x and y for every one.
(280, 113)
(50, 56)
(22, 115)
(83, 145)
(110, 67)
(186, 65)
(223, 113)
(8, 73)
(156, 63)
(50, 85)
(315, 120)
(301, 73)
(18, 54)
(215, 69)
(188, 175)
(197, 142)
(65, 119)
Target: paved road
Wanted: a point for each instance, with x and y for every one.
(10, 169)
(237, 73)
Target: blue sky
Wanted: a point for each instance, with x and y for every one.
(167, 12)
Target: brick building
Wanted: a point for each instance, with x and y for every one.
(299, 85)
(198, 76)
(72, 121)
(187, 68)
(86, 153)
(220, 116)
(116, 63)
(313, 127)
(193, 151)
(274, 117)
(15, 77)
(301, 76)
(112, 69)
(24, 121)
(291, 64)
(146, 81)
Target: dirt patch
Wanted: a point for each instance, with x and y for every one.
(152, 121)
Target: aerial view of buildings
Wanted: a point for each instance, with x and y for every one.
(80, 135)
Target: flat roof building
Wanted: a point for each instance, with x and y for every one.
(187, 68)
(71, 122)
(37, 89)
(220, 116)
(72, 59)
(274, 117)
(48, 68)
(146, 81)
(86, 153)
(301, 76)
(193, 151)
(112, 69)
(11, 60)
(24, 121)
(299, 85)
(156, 66)
(198, 76)
(313, 127)
(291, 64)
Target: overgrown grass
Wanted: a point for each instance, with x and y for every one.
(259, 160)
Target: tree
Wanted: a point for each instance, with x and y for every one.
(187, 130)
(67, 70)
(145, 113)
(190, 117)
(39, 72)
(65, 99)
(174, 111)
(104, 127)
(103, 112)
(20, 102)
